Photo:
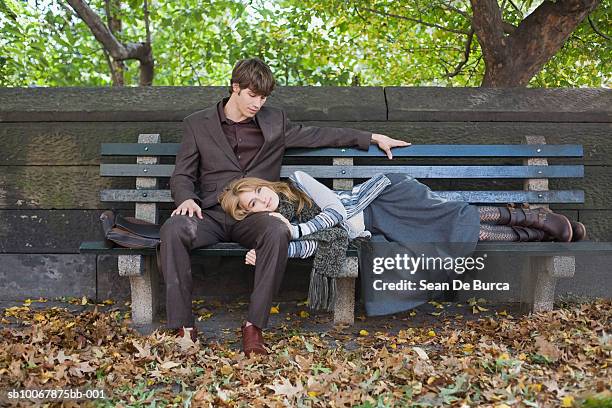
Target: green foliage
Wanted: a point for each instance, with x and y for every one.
(45, 46)
(418, 42)
(306, 42)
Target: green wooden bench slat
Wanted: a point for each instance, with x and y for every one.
(515, 150)
(545, 248)
(475, 197)
(136, 170)
(501, 197)
(220, 249)
(330, 172)
(441, 172)
(442, 150)
(233, 249)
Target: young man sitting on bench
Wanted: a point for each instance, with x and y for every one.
(238, 137)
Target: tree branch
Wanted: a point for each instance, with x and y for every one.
(103, 34)
(542, 33)
(488, 25)
(416, 20)
(99, 30)
(109, 18)
(68, 9)
(110, 66)
(456, 10)
(597, 30)
(195, 74)
(475, 68)
(508, 28)
(514, 60)
(466, 55)
(146, 20)
(117, 67)
(359, 14)
(516, 8)
(428, 49)
(118, 51)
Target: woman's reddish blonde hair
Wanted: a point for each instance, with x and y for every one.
(231, 203)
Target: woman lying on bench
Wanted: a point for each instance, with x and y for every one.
(405, 203)
(387, 208)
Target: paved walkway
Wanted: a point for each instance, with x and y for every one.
(219, 321)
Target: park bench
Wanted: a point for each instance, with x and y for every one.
(548, 261)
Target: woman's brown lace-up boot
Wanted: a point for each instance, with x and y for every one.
(556, 226)
(526, 234)
(579, 231)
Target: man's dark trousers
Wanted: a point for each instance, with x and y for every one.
(268, 235)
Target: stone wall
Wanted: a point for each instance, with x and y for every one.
(49, 158)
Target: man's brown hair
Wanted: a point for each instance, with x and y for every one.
(254, 74)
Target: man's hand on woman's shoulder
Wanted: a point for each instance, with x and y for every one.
(188, 207)
(385, 143)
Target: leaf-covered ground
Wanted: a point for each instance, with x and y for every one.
(443, 354)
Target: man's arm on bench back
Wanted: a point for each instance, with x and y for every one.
(313, 136)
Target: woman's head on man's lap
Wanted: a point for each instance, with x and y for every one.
(249, 195)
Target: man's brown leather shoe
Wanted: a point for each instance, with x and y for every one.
(193, 332)
(252, 340)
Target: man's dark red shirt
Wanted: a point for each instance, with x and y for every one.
(245, 137)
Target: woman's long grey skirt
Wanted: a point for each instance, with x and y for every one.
(408, 220)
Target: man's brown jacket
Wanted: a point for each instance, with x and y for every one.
(206, 163)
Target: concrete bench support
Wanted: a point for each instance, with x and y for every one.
(539, 280)
(142, 270)
(144, 281)
(344, 309)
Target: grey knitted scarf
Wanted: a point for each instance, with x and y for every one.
(329, 256)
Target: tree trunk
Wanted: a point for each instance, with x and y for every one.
(147, 66)
(513, 60)
(117, 67)
(117, 51)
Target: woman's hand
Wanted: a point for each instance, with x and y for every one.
(283, 219)
(250, 258)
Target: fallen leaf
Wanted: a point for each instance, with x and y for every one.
(169, 364)
(421, 353)
(567, 401)
(547, 349)
(286, 388)
(227, 369)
